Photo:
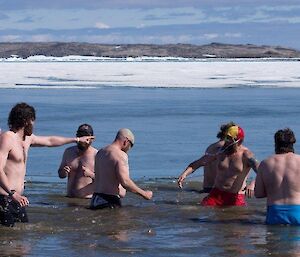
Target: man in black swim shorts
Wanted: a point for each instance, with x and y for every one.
(11, 212)
(112, 173)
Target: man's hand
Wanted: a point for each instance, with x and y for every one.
(180, 180)
(87, 172)
(85, 139)
(67, 169)
(22, 200)
(249, 189)
(148, 195)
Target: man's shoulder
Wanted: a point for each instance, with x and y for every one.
(7, 136)
(93, 149)
(71, 150)
(214, 147)
(246, 151)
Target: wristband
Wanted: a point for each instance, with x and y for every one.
(11, 193)
(77, 140)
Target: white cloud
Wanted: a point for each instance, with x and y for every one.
(233, 35)
(101, 25)
(41, 38)
(10, 38)
(211, 36)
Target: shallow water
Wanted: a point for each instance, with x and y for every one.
(173, 224)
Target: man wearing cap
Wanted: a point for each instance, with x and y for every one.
(278, 180)
(112, 173)
(78, 165)
(210, 170)
(233, 163)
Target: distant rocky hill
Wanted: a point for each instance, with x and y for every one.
(216, 50)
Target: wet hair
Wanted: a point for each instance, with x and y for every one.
(223, 128)
(84, 130)
(20, 116)
(284, 141)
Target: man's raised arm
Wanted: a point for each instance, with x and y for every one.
(51, 141)
(204, 160)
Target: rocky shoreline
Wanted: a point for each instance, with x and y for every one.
(213, 50)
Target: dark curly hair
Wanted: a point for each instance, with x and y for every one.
(284, 141)
(223, 128)
(20, 115)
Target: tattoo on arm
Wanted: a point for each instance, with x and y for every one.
(253, 163)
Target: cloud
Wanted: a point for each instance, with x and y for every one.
(134, 4)
(3, 16)
(10, 38)
(211, 36)
(26, 20)
(42, 38)
(181, 14)
(152, 17)
(101, 25)
(233, 35)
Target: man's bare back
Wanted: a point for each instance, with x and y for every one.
(280, 175)
(278, 180)
(107, 180)
(112, 173)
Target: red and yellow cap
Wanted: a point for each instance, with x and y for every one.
(236, 133)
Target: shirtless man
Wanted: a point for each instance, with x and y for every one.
(78, 164)
(233, 163)
(112, 173)
(14, 146)
(278, 180)
(210, 170)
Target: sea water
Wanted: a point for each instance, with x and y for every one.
(173, 126)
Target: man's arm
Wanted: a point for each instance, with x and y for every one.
(260, 190)
(204, 160)
(64, 169)
(251, 161)
(51, 141)
(253, 164)
(122, 170)
(5, 147)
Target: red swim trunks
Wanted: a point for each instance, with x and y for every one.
(221, 198)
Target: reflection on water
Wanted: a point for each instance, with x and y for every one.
(173, 224)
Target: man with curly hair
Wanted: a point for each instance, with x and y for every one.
(14, 146)
(233, 162)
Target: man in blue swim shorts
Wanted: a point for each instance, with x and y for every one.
(278, 180)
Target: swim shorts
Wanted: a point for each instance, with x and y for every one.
(221, 198)
(100, 201)
(206, 189)
(11, 212)
(283, 214)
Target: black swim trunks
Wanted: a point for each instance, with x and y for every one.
(100, 201)
(11, 212)
(207, 189)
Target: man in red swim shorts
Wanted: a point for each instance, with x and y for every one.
(234, 162)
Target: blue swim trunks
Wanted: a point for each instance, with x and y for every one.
(283, 214)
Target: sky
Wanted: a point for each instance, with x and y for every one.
(268, 22)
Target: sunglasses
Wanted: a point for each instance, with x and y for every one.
(131, 144)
